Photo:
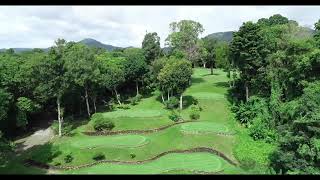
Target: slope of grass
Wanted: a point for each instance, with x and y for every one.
(210, 91)
(187, 162)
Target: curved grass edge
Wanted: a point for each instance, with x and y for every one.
(30, 162)
(194, 171)
(147, 131)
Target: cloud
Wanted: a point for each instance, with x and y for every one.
(39, 26)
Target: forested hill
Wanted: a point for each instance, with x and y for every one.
(88, 41)
(227, 35)
(222, 36)
(95, 43)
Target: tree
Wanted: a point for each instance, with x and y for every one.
(81, 69)
(202, 52)
(247, 48)
(175, 76)
(5, 101)
(151, 47)
(135, 65)
(112, 72)
(222, 58)
(317, 33)
(51, 77)
(25, 106)
(184, 36)
(210, 45)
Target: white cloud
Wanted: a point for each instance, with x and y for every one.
(39, 26)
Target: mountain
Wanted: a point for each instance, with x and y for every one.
(95, 43)
(222, 36)
(88, 41)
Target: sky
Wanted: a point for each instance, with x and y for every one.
(123, 26)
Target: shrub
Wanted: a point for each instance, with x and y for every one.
(103, 124)
(68, 158)
(57, 164)
(132, 155)
(66, 130)
(174, 116)
(123, 106)
(111, 105)
(135, 100)
(195, 101)
(172, 103)
(99, 156)
(195, 112)
(260, 129)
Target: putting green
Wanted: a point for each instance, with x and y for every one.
(203, 127)
(183, 161)
(123, 141)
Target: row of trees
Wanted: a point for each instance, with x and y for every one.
(67, 75)
(74, 80)
(277, 92)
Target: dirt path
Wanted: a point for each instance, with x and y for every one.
(40, 137)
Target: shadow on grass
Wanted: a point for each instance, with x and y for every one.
(213, 74)
(195, 80)
(222, 84)
(188, 101)
(19, 163)
(42, 153)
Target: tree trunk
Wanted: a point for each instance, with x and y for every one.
(137, 87)
(87, 102)
(168, 96)
(115, 90)
(233, 78)
(230, 79)
(247, 92)
(181, 101)
(211, 67)
(59, 116)
(94, 104)
(162, 98)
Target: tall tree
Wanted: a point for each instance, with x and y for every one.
(135, 65)
(175, 76)
(210, 45)
(247, 47)
(112, 72)
(81, 69)
(151, 47)
(184, 36)
(52, 80)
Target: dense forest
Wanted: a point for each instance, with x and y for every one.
(273, 66)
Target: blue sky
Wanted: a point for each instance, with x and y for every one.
(39, 26)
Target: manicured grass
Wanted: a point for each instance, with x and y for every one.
(203, 127)
(149, 113)
(188, 161)
(124, 141)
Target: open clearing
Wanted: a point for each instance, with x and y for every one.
(215, 118)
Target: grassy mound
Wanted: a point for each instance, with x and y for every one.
(124, 141)
(188, 161)
(203, 127)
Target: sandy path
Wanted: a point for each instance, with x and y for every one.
(40, 137)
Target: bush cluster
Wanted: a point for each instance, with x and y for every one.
(174, 116)
(172, 103)
(101, 123)
(134, 100)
